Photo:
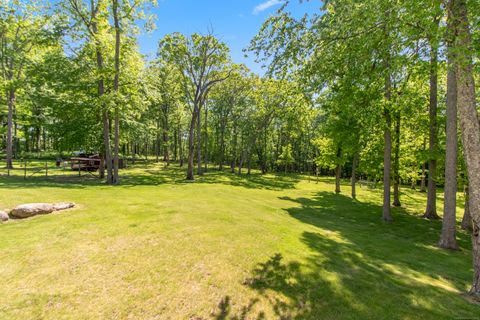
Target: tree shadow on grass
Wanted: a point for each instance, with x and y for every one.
(358, 267)
(224, 311)
(68, 182)
(253, 181)
(153, 174)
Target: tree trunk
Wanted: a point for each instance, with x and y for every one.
(101, 169)
(234, 150)
(191, 144)
(396, 162)
(199, 144)
(157, 142)
(106, 142)
(338, 171)
(175, 145)
(116, 148)
(448, 236)
(11, 106)
(205, 162)
(354, 175)
(422, 182)
(431, 210)
(467, 218)
(387, 153)
(222, 149)
(475, 290)
(104, 111)
(166, 153)
(469, 124)
(180, 145)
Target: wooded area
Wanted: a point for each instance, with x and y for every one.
(378, 91)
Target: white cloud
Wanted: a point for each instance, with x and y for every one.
(266, 5)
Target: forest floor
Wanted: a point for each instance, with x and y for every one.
(225, 247)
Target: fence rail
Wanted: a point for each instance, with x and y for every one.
(29, 168)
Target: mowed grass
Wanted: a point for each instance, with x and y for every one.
(224, 247)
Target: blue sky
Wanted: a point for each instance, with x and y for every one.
(234, 21)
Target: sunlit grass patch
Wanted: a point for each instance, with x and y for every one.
(224, 247)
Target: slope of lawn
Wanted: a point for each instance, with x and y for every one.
(224, 247)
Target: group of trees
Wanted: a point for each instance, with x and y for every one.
(361, 89)
(390, 78)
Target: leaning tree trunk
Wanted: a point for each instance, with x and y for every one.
(448, 237)
(431, 210)
(396, 163)
(469, 124)
(11, 106)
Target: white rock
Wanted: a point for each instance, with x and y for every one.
(3, 216)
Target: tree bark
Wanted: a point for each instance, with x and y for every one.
(396, 163)
(469, 124)
(422, 182)
(166, 149)
(431, 210)
(448, 236)
(199, 144)
(354, 175)
(205, 162)
(116, 143)
(157, 142)
(180, 146)
(234, 150)
(104, 111)
(338, 172)
(387, 153)
(191, 143)
(467, 218)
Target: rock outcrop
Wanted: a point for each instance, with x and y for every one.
(32, 209)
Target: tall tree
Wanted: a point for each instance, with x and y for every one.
(431, 210)
(469, 121)
(201, 61)
(448, 236)
(124, 14)
(93, 17)
(24, 27)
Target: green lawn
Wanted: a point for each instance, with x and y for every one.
(224, 247)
